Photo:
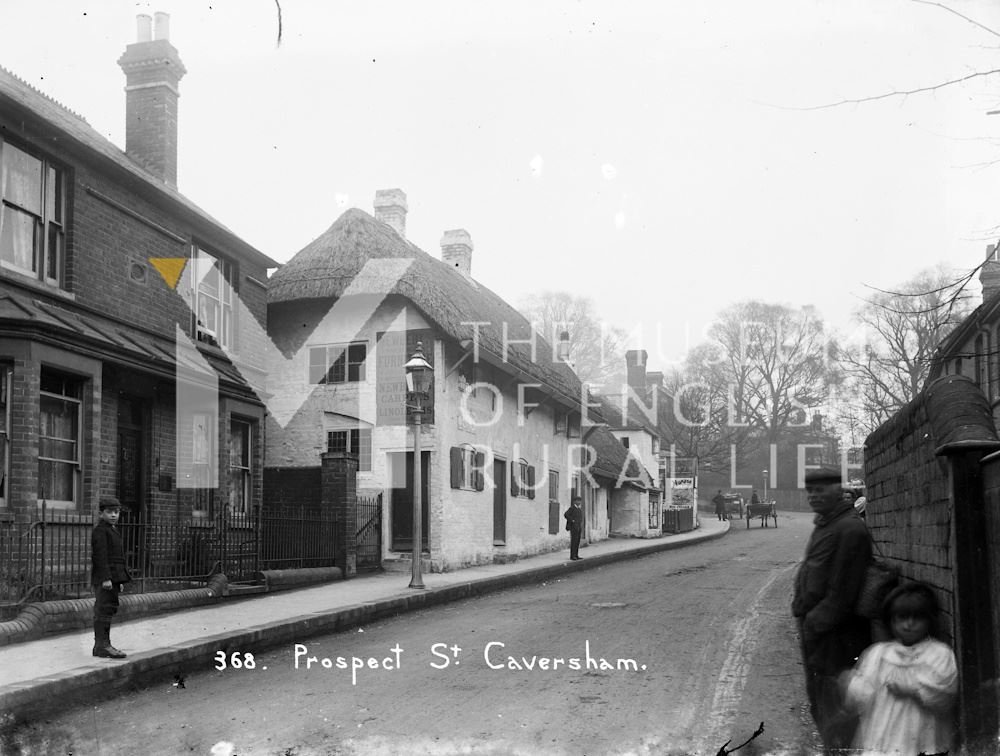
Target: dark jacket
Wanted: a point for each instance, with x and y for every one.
(107, 555)
(826, 589)
(574, 518)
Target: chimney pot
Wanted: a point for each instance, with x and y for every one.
(456, 250)
(635, 370)
(562, 349)
(390, 208)
(144, 28)
(161, 29)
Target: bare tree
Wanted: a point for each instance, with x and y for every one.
(699, 417)
(759, 377)
(776, 361)
(596, 347)
(900, 330)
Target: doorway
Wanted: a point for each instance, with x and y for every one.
(130, 490)
(499, 502)
(401, 500)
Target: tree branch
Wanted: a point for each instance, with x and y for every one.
(900, 93)
(952, 10)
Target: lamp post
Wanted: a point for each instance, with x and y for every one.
(418, 378)
(765, 485)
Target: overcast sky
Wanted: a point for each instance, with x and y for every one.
(658, 157)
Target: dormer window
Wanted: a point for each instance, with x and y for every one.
(32, 215)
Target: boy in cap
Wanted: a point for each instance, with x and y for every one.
(826, 590)
(108, 573)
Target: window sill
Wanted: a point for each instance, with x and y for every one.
(212, 349)
(29, 282)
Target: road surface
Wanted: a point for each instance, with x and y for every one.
(675, 653)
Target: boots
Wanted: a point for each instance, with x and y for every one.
(102, 642)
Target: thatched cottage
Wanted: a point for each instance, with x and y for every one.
(502, 445)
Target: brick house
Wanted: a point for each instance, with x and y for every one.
(972, 348)
(501, 449)
(96, 296)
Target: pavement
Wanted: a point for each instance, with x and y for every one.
(55, 671)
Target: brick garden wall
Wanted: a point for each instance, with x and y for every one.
(909, 504)
(991, 490)
(292, 487)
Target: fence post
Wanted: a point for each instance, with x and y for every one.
(339, 491)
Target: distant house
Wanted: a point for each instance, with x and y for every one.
(972, 348)
(627, 500)
(639, 417)
(501, 456)
(94, 300)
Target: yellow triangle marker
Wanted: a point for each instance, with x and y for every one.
(170, 268)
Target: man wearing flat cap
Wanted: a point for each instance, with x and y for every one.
(829, 579)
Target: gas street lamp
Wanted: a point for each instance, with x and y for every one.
(418, 381)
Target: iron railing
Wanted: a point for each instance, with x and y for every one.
(368, 536)
(49, 557)
(295, 537)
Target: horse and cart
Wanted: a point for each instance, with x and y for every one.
(763, 510)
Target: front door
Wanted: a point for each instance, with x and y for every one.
(130, 490)
(401, 498)
(499, 502)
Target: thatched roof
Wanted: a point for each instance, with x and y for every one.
(325, 267)
(58, 123)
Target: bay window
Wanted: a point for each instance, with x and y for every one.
(239, 467)
(59, 433)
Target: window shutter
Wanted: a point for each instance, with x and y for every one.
(531, 482)
(513, 478)
(456, 467)
(479, 475)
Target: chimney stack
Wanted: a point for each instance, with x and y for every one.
(153, 71)
(655, 378)
(456, 250)
(390, 208)
(989, 274)
(635, 366)
(563, 347)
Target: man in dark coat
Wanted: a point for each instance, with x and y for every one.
(826, 590)
(574, 524)
(720, 505)
(108, 573)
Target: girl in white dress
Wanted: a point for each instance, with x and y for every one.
(904, 690)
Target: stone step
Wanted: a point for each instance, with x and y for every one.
(404, 564)
(246, 589)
